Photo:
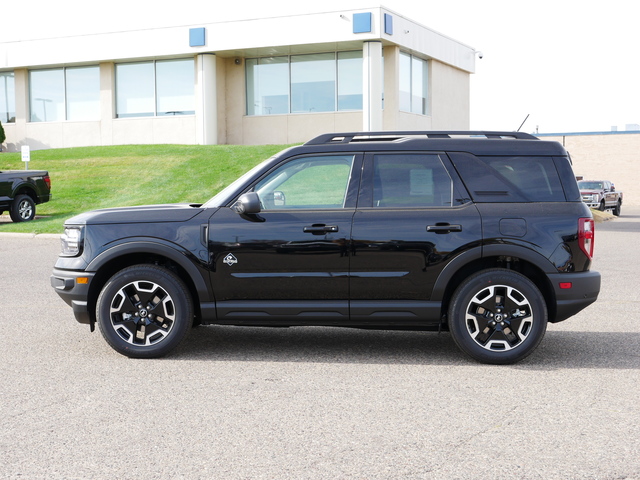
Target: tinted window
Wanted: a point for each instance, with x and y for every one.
(410, 180)
(509, 179)
(535, 177)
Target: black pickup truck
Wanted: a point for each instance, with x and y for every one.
(21, 191)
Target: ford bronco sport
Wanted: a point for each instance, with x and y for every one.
(483, 234)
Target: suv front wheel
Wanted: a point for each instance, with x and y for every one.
(497, 316)
(144, 311)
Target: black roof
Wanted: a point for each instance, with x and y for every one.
(476, 142)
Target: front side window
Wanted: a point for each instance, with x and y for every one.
(159, 88)
(413, 84)
(309, 182)
(64, 94)
(410, 180)
(7, 97)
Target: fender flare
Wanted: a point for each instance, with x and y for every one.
(165, 249)
(477, 253)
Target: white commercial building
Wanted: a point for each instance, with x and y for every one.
(256, 81)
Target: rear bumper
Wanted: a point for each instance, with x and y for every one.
(73, 292)
(585, 287)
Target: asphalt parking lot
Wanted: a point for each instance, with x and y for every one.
(318, 403)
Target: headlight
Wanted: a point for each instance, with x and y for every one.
(71, 241)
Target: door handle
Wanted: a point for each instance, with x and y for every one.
(320, 229)
(444, 228)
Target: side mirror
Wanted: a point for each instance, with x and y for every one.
(248, 203)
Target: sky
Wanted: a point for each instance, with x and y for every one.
(564, 65)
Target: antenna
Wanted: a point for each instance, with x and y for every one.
(525, 119)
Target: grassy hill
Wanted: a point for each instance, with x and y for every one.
(100, 177)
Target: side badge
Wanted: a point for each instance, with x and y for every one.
(230, 260)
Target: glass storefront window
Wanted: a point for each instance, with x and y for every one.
(46, 95)
(349, 81)
(155, 88)
(413, 84)
(83, 93)
(175, 80)
(135, 90)
(62, 94)
(321, 82)
(313, 83)
(267, 86)
(7, 97)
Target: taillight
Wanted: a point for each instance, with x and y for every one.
(47, 180)
(586, 233)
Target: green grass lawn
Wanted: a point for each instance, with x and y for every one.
(88, 178)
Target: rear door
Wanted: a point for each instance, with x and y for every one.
(411, 220)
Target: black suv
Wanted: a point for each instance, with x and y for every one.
(483, 234)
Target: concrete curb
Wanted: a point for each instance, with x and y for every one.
(29, 235)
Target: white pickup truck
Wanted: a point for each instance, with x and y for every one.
(601, 194)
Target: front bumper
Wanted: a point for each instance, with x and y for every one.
(585, 287)
(73, 287)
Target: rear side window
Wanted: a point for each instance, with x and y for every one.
(410, 180)
(509, 179)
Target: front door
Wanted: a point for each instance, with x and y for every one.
(290, 263)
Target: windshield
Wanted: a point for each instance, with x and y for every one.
(590, 185)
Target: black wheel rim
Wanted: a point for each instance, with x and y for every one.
(499, 318)
(142, 313)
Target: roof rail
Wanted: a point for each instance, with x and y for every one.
(332, 138)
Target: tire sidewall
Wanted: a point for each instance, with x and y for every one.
(15, 208)
(469, 289)
(176, 289)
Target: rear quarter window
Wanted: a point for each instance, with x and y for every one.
(509, 178)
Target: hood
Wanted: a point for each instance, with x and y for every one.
(143, 214)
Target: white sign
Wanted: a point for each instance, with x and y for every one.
(26, 154)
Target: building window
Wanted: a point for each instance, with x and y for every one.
(155, 88)
(267, 85)
(321, 82)
(349, 81)
(413, 84)
(313, 83)
(64, 94)
(83, 93)
(7, 97)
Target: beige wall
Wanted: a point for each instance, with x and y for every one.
(448, 98)
(607, 156)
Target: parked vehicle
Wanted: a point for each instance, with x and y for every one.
(601, 194)
(21, 191)
(483, 234)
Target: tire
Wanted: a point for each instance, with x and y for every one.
(497, 316)
(601, 207)
(144, 311)
(617, 208)
(23, 209)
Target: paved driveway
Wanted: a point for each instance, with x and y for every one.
(318, 403)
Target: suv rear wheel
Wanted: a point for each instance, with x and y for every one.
(144, 311)
(497, 316)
